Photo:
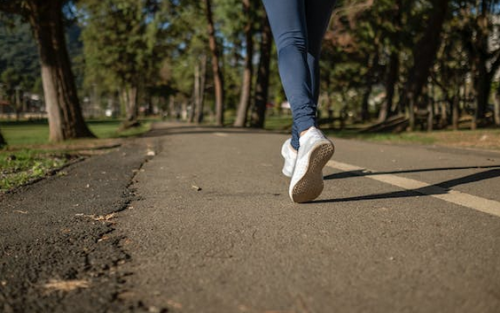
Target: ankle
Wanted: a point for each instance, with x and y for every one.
(305, 131)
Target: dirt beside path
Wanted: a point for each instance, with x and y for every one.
(58, 249)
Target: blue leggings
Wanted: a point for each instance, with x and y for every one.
(298, 28)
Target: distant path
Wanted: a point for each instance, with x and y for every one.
(215, 230)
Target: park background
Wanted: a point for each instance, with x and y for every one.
(79, 69)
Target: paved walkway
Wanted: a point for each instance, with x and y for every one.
(397, 228)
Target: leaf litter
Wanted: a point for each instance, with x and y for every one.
(66, 285)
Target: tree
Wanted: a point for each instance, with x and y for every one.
(121, 48)
(424, 54)
(246, 88)
(392, 76)
(3, 142)
(478, 35)
(262, 85)
(18, 52)
(217, 74)
(47, 23)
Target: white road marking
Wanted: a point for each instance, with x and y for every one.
(220, 134)
(461, 198)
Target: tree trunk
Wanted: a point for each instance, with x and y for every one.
(443, 121)
(392, 79)
(455, 111)
(496, 113)
(430, 115)
(483, 89)
(63, 107)
(196, 92)
(411, 112)
(424, 54)
(3, 142)
(262, 85)
(246, 88)
(172, 112)
(184, 105)
(130, 97)
(201, 99)
(218, 78)
(365, 114)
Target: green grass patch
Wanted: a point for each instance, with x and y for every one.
(278, 122)
(36, 133)
(23, 162)
(20, 167)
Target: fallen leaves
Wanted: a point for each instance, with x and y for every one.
(102, 218)
(99, 218)
(174, 304)
(68, 285)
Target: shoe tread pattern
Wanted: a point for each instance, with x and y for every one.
(310, 186)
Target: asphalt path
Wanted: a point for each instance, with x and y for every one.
(198, 219)
(215, 230)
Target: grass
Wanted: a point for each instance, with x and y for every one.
(37, 133)
(30, 156)
(21, 167)
(275, 122)
(488, 138)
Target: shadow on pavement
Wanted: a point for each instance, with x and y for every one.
(369, 173)
(441, 188)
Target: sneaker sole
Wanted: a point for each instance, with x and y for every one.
(310, 186)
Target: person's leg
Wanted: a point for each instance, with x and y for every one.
(318, 14)
(288, 24)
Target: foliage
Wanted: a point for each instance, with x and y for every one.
(368, 55)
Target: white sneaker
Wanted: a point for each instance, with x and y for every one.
(307, 180)
(290, 156)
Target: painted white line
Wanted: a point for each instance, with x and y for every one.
(461, 198)
(221, 134)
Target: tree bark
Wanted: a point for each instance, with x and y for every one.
(201, 99)
(455, 111)
(262, 85)
(218, 78)
(365, 115)
(246, 88)
(483, 89)
(196, 92)
(3, 142)
(430, 115)
(392, 78)
(130, 97)
(496, 113)
(172, 112)
(63, 107)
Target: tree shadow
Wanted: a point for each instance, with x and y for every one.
(369, 173)
(435, 189)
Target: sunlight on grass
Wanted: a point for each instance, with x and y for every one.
(24, 160)
(32, 133)
(278, 122)
(20, 167)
